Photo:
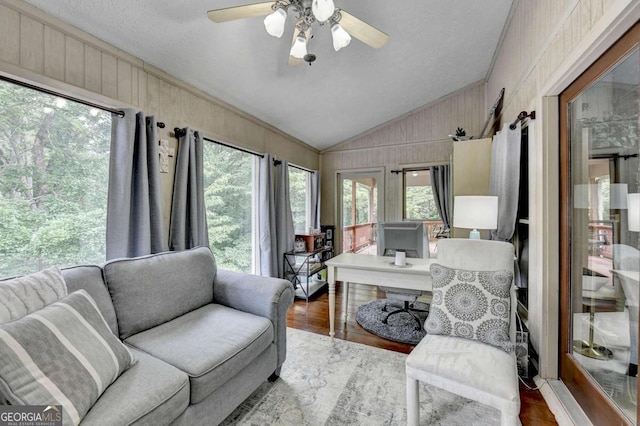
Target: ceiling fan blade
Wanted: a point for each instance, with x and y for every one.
(239, 12)
(362, 31)
(293, 61)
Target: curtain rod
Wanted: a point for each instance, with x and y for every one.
(304, 169)
(118, 112)
(521, 117)
(180, 132)
(414, 169)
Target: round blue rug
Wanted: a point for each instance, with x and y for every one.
(400, 327)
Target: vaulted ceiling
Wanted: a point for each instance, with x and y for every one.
(435, 47)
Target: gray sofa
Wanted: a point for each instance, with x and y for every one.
(205, 339)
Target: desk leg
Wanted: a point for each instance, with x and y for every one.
(346, 300)
(332, 300)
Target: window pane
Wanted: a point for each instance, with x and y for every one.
(54, 173)
(298, 180)
(228, 182)
(419, 202)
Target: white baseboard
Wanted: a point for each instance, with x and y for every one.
(561, 403)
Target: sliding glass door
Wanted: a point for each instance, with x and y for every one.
(600, 260)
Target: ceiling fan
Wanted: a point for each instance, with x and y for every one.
(307, 12)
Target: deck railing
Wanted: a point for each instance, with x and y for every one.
(358, 237)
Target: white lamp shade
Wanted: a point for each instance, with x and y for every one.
(299, 48)
(341, 38)
(323, 9)
(633, 204)
(475, 212)
(274, 23)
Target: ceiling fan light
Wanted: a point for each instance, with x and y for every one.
(323, 9)
(341, 38)
(274, 23)
(299, 48)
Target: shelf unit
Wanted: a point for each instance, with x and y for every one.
(301, 268)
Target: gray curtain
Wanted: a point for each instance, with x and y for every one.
(441, 187)
(315, 199)
(285, 233)
(267, 218)
(188, 226)
(504, 180)
(135, 225)
(276, 232)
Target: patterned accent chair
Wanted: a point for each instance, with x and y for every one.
(470, 368)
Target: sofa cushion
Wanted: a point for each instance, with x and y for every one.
(151, 290)
(210, 344)
(151, 392)
(63, 354)
(24, 295)
(471, 304)
(89, 278)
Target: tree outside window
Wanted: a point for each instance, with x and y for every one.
(228, 193)
(299, 196)
(54, 177)
(419, 203)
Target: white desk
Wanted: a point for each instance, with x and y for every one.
(373, 270)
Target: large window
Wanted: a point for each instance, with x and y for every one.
(419, 203)
(54, 173)
(229, 194)
(299, 183)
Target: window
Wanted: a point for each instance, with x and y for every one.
(229, 176)
(54, 176)
(419, 203)
(299, 184)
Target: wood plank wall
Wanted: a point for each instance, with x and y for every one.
(419, 137)
(541, 35)
(42, 49)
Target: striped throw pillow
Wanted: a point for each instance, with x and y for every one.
(64, 354)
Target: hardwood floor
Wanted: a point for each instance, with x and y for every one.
(314, 317)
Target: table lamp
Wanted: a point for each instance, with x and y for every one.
(475, 212)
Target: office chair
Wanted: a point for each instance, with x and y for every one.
(413, 238)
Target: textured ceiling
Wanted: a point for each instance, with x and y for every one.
(435, 47)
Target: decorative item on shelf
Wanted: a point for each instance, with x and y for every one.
(313, 241)
(461, 135)
(299, 245)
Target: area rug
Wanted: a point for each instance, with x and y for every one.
(400, 327)
(328, 381)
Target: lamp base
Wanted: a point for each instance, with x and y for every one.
(474, 235)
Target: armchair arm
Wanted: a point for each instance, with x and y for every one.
(264, 296)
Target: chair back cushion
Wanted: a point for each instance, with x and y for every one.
(89, 278)
(24, 295)
(151, 290)
(471, 304)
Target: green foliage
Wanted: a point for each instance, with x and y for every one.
(362, 203)
(228, 181)
(419, 203)
(54, 167)
(298, 196)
